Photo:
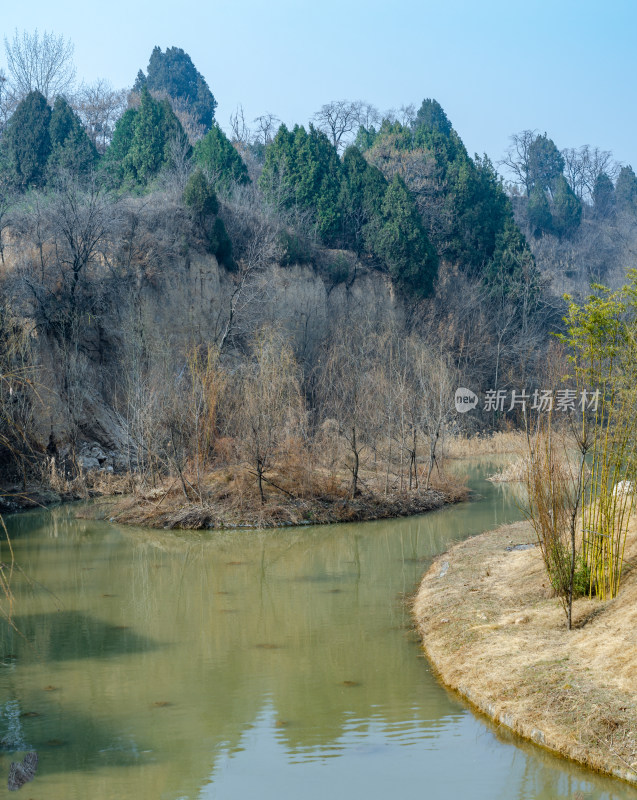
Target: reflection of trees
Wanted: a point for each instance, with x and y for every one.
(186, 679)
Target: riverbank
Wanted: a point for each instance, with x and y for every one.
(495, 634)
(233, 502)
(14, 498)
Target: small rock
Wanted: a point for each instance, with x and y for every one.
(88, 463)
(444, 569)
(528, 546)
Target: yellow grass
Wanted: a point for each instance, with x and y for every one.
(515, 470)
(485, 444)
(492, 627)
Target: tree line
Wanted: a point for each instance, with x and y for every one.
(106, 216)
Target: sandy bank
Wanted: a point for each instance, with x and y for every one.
(492, 629)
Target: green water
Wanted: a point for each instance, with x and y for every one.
(277, 664)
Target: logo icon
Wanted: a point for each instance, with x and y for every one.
(465, 400)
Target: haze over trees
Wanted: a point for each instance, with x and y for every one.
(114, 198)
(575, 206)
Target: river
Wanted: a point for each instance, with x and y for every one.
(274, 664)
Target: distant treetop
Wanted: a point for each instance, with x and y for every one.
(174, 73)
(431, 115)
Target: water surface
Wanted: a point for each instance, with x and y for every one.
(277, 664)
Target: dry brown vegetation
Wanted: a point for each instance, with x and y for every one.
(496, 443)
(491, 625)
(293, 496)
(180, 367)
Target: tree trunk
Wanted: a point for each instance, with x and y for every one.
(356, 463)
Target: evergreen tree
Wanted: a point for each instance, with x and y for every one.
(432, 117)
(141, 145)
(512, 271)
(403, 244)
(479, 207)
(603, 195)
(365, 138)
(147, 152)
(462, 201)
(218, 156)
(303, 169)
(361, 196)
(71, 148)
(546, 163)
(112, 163)
(140, 82)
(567, 209)
(26, 142)
(538, 212)
(626, 190)
(174, 73)
(200, 197)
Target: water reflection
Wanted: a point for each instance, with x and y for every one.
(277, 664)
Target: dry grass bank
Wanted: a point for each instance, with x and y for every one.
(232, 500)
(495, 633)
(500, 442)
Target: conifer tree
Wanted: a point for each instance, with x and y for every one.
(403, 243)
(603, 195)
(626, 190)
(26, 142)
(71, 148)
(567, 209)
(539, 212)
(216, 154)
(141, 144)
(174, 73)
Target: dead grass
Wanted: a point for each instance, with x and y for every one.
(496, 443)
(515, 470)
(231, 499)
(493, 629)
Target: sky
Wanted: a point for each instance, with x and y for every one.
(497, 67)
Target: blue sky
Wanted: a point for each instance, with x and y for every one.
(566, 67)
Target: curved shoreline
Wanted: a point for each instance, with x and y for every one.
(175, 514)
(495, 635)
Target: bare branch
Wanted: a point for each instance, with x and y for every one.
(266, 125)
(40, 63)
(337, 119)
(99, 106)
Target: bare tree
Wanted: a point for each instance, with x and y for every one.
(517, 158)
(8, 100)
(367, 115)
(337, 120)
(180, 165)
(434, 388)
(99, 106)
(40, 63)
(584, 165)
(240, 132)
(574, 170)
(7, 200)
(271, 403)
(406, 115)
(348, 392)
(266, 125)
(254, 229)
